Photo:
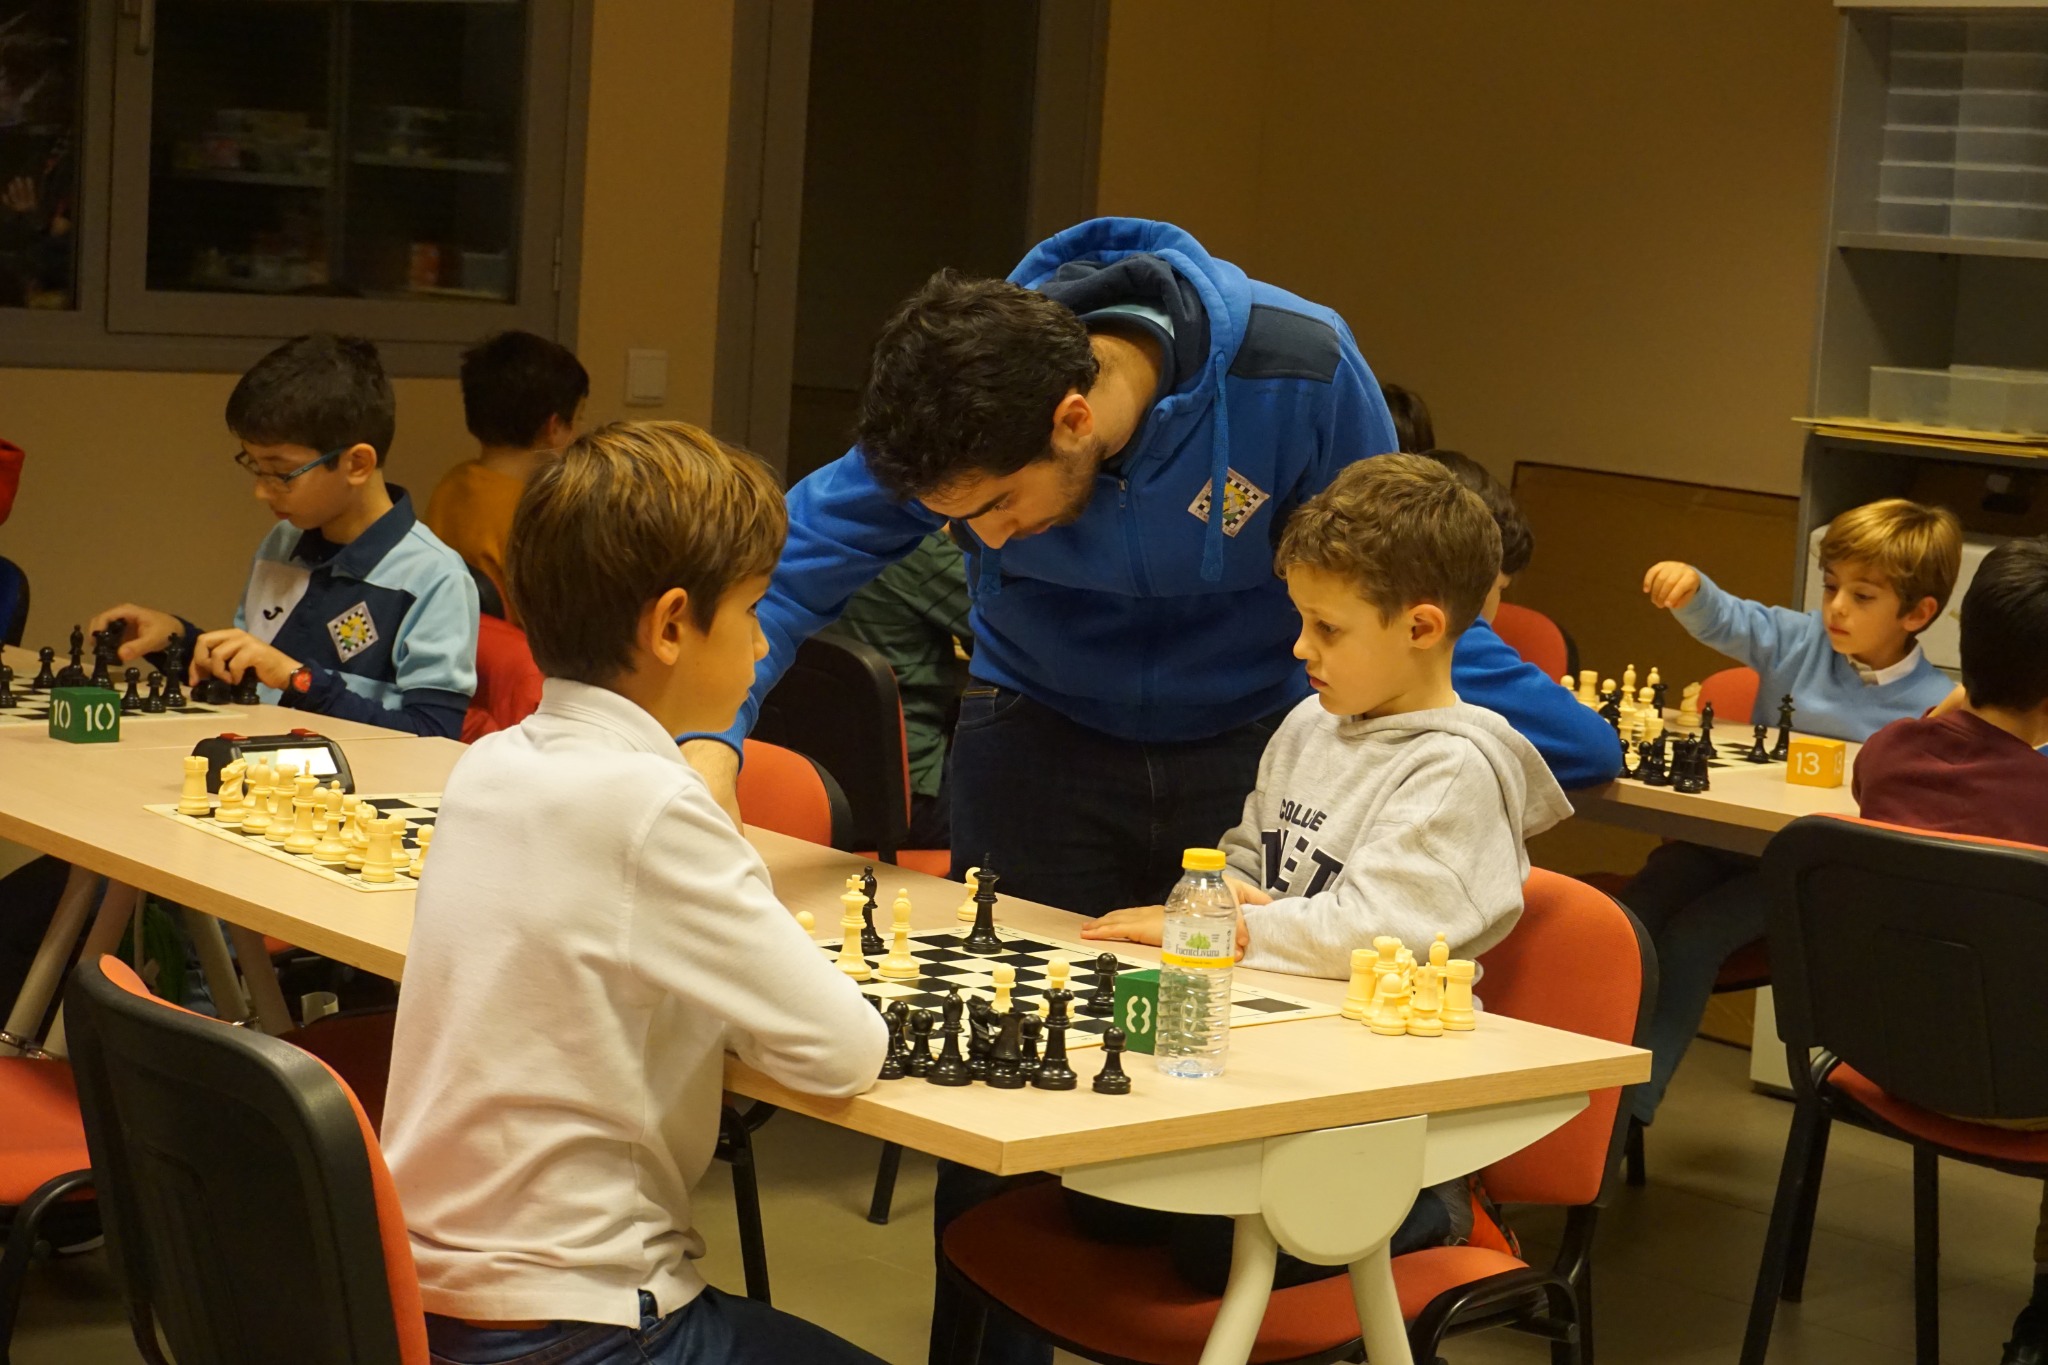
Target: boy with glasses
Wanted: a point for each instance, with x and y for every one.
(353, 608)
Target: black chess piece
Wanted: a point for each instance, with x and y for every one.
(982, 1024)
(1111, 1080)
(1707, 750)
(245, 693)
(73, 673)
(131, 700)
(1652, 770)
(155, 701)
(892, 1059)
(1006, 1056)
(8, 701)
(1684, 758)
(1032, 1029)
(981, 940)
(177, 660)
(1702, 771)
(871, 943)
(1610, 710)
(103, 655)
(1782, 750)
(1657, 695)
(951, 1067)
(46, 677)
(211, 692)
(1758, 752)
(1101, 1003)
(919, 1062)
(1053, 1071)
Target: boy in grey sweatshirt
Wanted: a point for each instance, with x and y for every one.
(1385, 805)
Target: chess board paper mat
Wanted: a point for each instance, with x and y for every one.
(35, 710)
(418, 808)
(944, 964)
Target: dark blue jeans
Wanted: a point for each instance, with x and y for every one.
(1081, 820)
(715, 1328)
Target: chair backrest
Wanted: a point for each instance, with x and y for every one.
(489, 601)
(247, 1207)
(782, 790)
(1534, 636)
(507, 680)
(1577, 961)
(838, 704)
(1733, 693)
(1916, 958)
(13, 602)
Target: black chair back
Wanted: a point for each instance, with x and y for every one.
(13, 602)
(838, 705)
(1918, 959)
(237, 1195)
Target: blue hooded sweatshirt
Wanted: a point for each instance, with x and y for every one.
(1151, 618)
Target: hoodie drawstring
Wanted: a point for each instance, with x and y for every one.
(1219, 482)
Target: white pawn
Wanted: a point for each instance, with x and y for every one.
(258, 818)
(419, 856)
(192, 798)
(899, 965)
(282, 787)
(1389, 1004)
(327, 825)
(1628, 680)
(965, 914)
(1358, 995)
(1006, 981)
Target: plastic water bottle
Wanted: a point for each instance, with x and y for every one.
(1198, 946)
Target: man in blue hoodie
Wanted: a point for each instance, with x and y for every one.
(1084, 422)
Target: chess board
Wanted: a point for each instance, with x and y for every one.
(418, 809)
(35, 710)
(946, 965)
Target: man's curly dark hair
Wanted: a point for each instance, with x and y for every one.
(964, 382)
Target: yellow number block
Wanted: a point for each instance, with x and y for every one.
(1815, 762)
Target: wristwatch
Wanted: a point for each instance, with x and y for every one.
(301, 682)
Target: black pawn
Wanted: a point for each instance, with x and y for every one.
(1782, 750)
(892, 1060)
(1759, 752)
(8, 700)
(981, 939)
(1111, 1080)
(155, 701)
(131, 700)
(870, 942)
(177, 657)
(1657, 696)
(1031, 1029)
(1005, 1059)
(245, 693)
(46, 676)
(102, 660)
(73, 673)
(1610, 709)
(951, 1067)
(1053, 1072)
(1101, 1003)
(1707, 749)
(919, 1062)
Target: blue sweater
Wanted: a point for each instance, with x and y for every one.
(1151, 618)
(1791, 653)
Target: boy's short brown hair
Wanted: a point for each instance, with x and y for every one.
(1918, 549)
(624, 514)
(1402, 530)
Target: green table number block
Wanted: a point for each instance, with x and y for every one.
(85, 715)
(1137, 1008)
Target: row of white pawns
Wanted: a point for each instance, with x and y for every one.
(292, 810)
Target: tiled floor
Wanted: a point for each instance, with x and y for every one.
(1675, 1260)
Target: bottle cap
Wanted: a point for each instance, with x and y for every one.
(1202, 860)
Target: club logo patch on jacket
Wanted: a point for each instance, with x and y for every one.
(353, 631)
(1241, 498)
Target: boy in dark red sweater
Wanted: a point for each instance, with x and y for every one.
(1975, 768)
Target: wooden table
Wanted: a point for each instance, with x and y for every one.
(1318, 1115)
(1745, 805)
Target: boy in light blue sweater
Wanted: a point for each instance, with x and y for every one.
(1852, 668)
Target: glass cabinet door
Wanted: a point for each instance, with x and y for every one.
(41, 100)
(377, 161)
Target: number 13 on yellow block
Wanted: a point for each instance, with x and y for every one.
(1815, 762)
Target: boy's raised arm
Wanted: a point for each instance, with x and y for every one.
(1741, 629)
(1576, 743)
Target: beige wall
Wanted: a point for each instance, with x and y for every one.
(1589, 234)
(128, 490)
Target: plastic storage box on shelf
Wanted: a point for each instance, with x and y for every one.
(2003, 70)
(1908, 216)
(2009, 222)
(1990, 147)
(1993, 108)
(1997, 34)
(1910, 180)
(1905, 395)
(1926, 70)
(1986, 398)
(1921, 144)
(1922, 109)
(2001, 184)
(1912, 33)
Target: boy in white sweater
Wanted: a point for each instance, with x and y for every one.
(596, 935)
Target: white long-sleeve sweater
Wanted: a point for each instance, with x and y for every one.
(591, 937)
(1408, 825)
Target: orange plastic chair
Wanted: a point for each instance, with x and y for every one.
(228, 1159)
(782, 790)
(1577, 961)
(1733, 694)
(1537, 638)
(43, 1163)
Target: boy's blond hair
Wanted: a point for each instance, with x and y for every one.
(1400, 529)
(624, 514)
(1917, 549)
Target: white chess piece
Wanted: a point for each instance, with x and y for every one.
(1358, 995)
(1006, 981)
(192, 798)
(1457, 1014)
(899, 965)
(301, 839)
(806, 921)
(258, 818)
(965, 914)
(850, 922)
(233, 809)
(419, 856)
(377, 861)
(1628, 680)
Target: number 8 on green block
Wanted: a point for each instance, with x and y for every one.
(1137, 1008)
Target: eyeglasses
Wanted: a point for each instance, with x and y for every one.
(264, 476)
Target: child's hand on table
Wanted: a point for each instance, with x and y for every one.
(144, 630)
(1147, 923)
(1671, 584)
(229, 654)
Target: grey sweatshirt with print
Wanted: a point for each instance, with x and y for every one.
(1408, 825)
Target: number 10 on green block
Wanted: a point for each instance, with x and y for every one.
(85, 715)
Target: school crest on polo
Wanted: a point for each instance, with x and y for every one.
(353, 631)
(1241, 498)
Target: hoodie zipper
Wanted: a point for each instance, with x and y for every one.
(1140, 579)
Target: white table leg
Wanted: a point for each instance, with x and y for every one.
(216, 966)
(1379, 1309)
(46, 972)
(259, 976)
(1253, 1256)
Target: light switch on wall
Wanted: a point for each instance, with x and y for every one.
(646, 378)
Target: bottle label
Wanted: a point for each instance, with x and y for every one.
(1197, 945)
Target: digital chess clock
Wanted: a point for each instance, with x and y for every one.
(313, 754)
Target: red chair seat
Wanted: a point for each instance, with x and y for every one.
(935, 861)
(42, 1135)
(1998, 1144)
(1422, 1275)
